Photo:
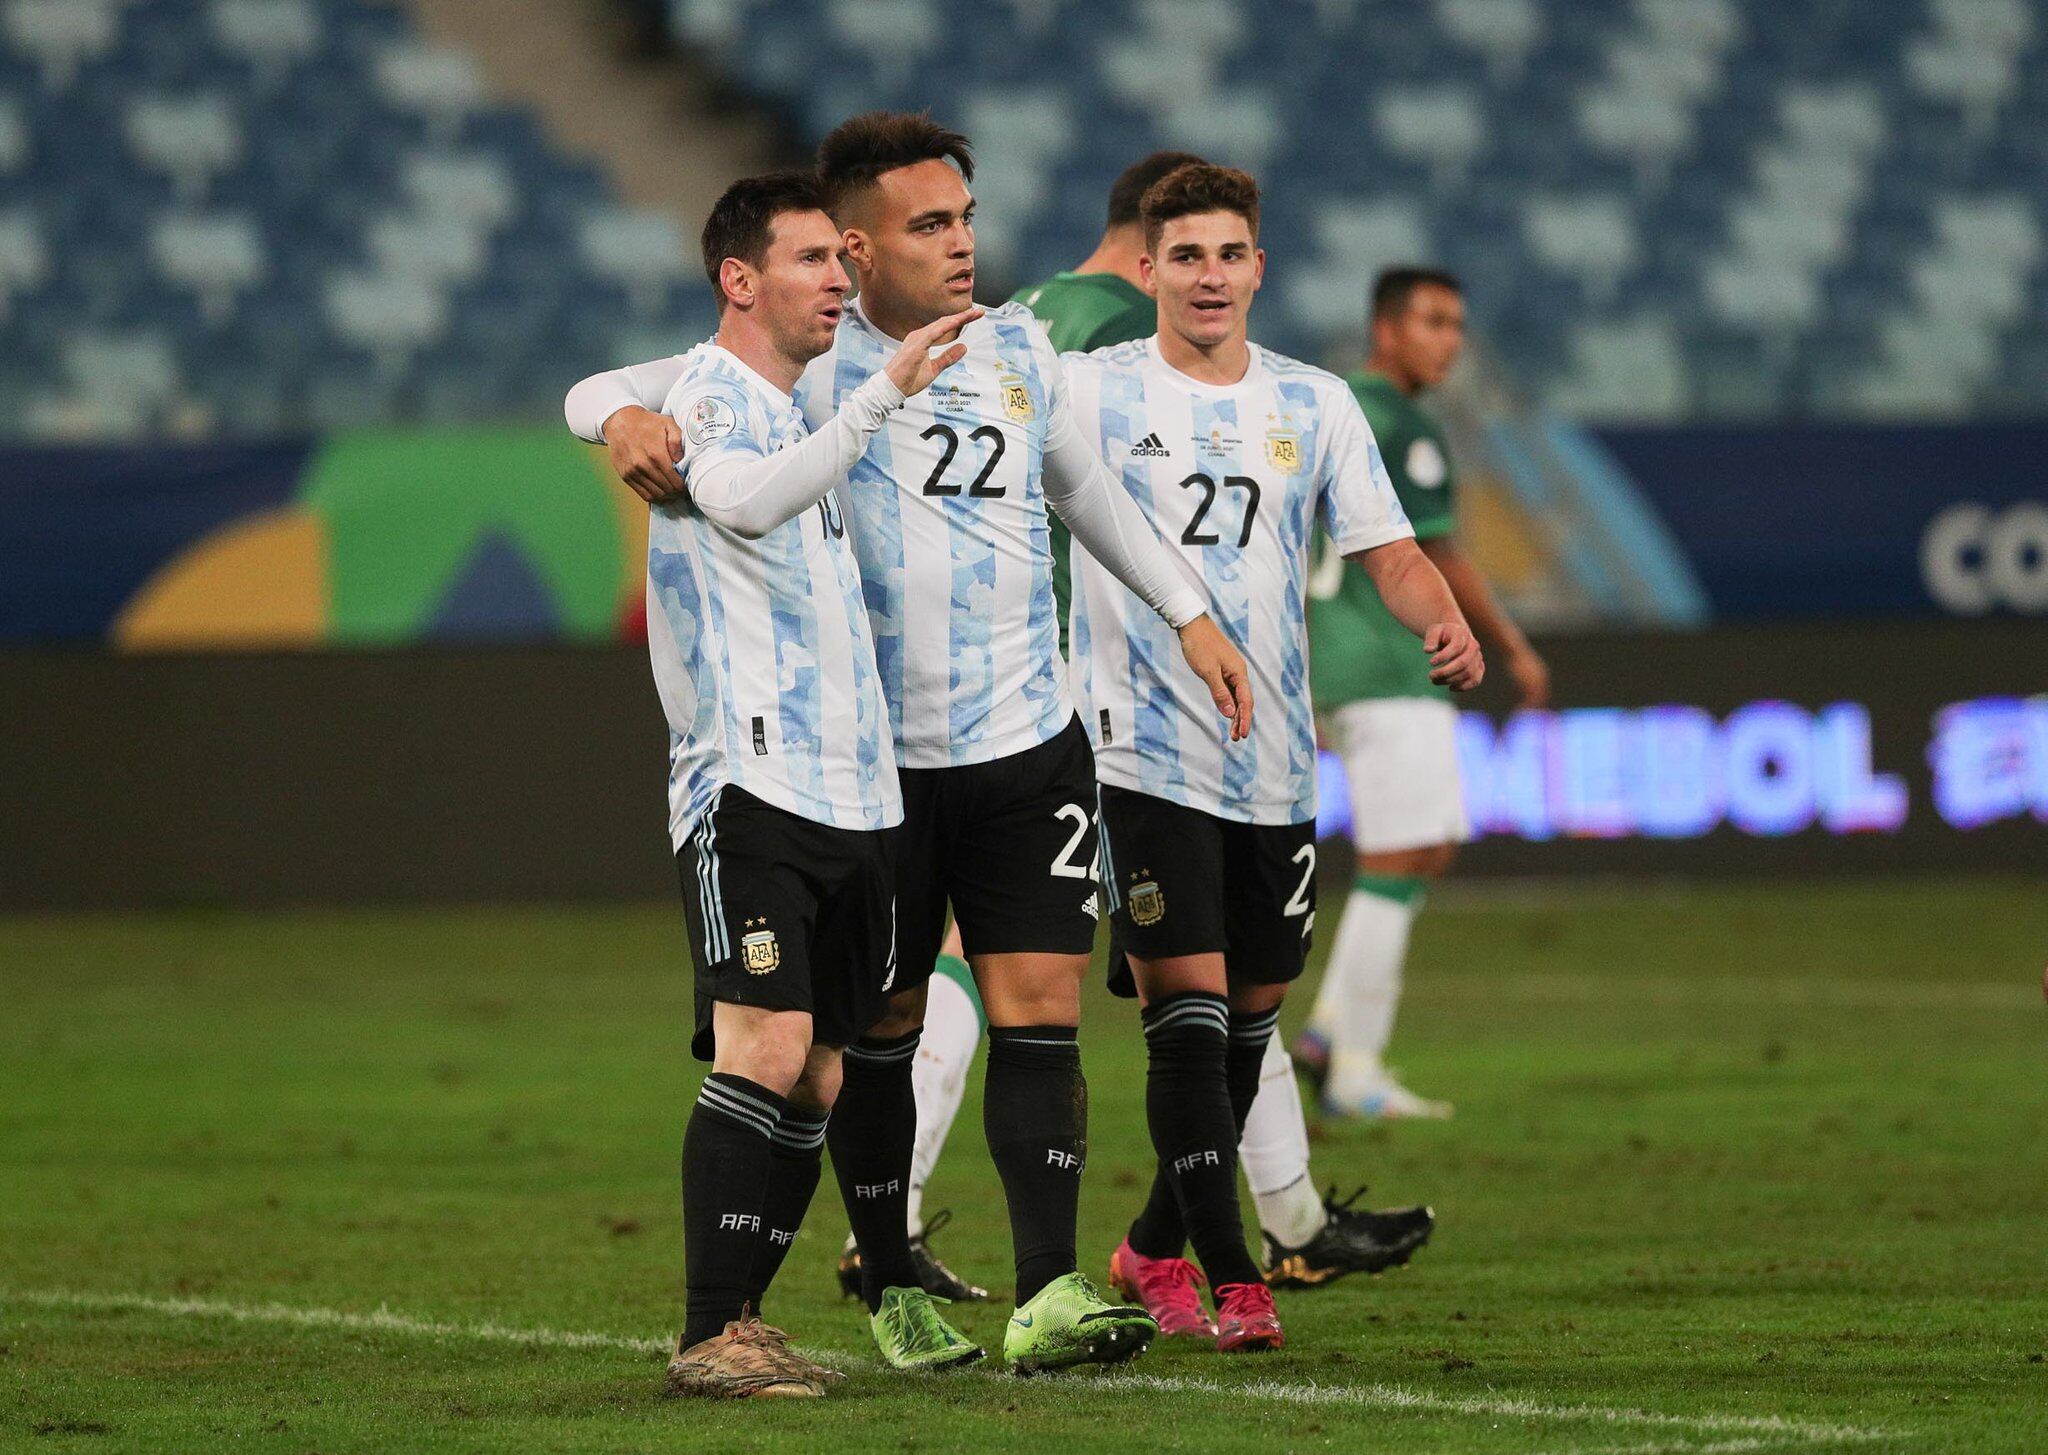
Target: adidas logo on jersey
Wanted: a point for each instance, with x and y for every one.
(1150, 445)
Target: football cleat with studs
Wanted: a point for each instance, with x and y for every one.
(1068, 1322)
(748, 1360)
(912, 1334)
(1168, 1288)
(1353, 1240)
(1246, 1321)
(932, 1275)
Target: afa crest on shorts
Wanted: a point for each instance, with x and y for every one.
(759, 951)
(1146, 902)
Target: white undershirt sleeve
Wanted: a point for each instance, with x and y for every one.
(594, 400)
(752, 494)
(1110, 525)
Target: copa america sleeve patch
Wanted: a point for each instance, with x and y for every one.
(710, 419)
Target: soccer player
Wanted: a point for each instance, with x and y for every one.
(1393, 726)
(1308, 1239)
(1099, 303)
(783, 796)
(947, 516)
(1208, 856)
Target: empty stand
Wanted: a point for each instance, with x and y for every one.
(262, 216)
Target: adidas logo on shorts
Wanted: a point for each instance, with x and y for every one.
(1151, 446)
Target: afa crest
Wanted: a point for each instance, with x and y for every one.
(759, 951)
(1283, 451)
(1147, 902)
(1016, 397)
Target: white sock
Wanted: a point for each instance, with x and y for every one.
(1372, 945)
(1274, 1154)
(945, 1053)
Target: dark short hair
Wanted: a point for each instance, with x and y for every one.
(1195, 188)
(742, 221)
(1395, 286)
(1127, 193)
(858, 151)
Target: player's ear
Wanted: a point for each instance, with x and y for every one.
(1258, 268)
(858, 250)
(1147, 275)
(736, 281)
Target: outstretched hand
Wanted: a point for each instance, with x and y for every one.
(915, 365)
(1218, 663)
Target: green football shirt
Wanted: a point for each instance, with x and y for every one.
(1084, 311)
(1357, 649)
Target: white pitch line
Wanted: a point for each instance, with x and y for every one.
(1763, 1430)
(382, 1321)
(1393, 1397)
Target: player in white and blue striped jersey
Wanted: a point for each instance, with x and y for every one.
(783, 794)
(1235, 454)
(947, 513)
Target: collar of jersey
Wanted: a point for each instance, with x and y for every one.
(860, 314)
(749, 370)
(1252, 371)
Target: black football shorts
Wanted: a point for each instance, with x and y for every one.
(1182, 882)
(788, 914)
(1010, 844)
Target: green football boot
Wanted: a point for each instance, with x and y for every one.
(912, 1335)
(1068, 1322)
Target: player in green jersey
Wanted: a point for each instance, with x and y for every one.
(1098, 304)
(1394, 729)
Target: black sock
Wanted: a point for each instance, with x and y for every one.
(873, 1129)
(725, 1178)
(1158, 1231)
(795, 1153)
(1250, 1031)
(1034, 1110)
(1187, 1105)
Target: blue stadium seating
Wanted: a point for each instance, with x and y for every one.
(254, 216)
(1663, 208)
(262, 215)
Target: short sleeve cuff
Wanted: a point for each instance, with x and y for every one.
(1366, 540)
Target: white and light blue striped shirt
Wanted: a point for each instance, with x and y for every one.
(949, 522)
(1236, 476)
(761, 648)
(946, 509)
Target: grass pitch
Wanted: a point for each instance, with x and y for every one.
(1733, 1170)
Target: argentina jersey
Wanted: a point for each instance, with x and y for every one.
(948, 519)
(1237, 477)
(761, 649)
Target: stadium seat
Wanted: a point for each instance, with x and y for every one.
(271, 35)
(59, 36)
(188, 139)
(24, 263)
(640, 252)
(387, 316)
(1504, 31)
(216, 256)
